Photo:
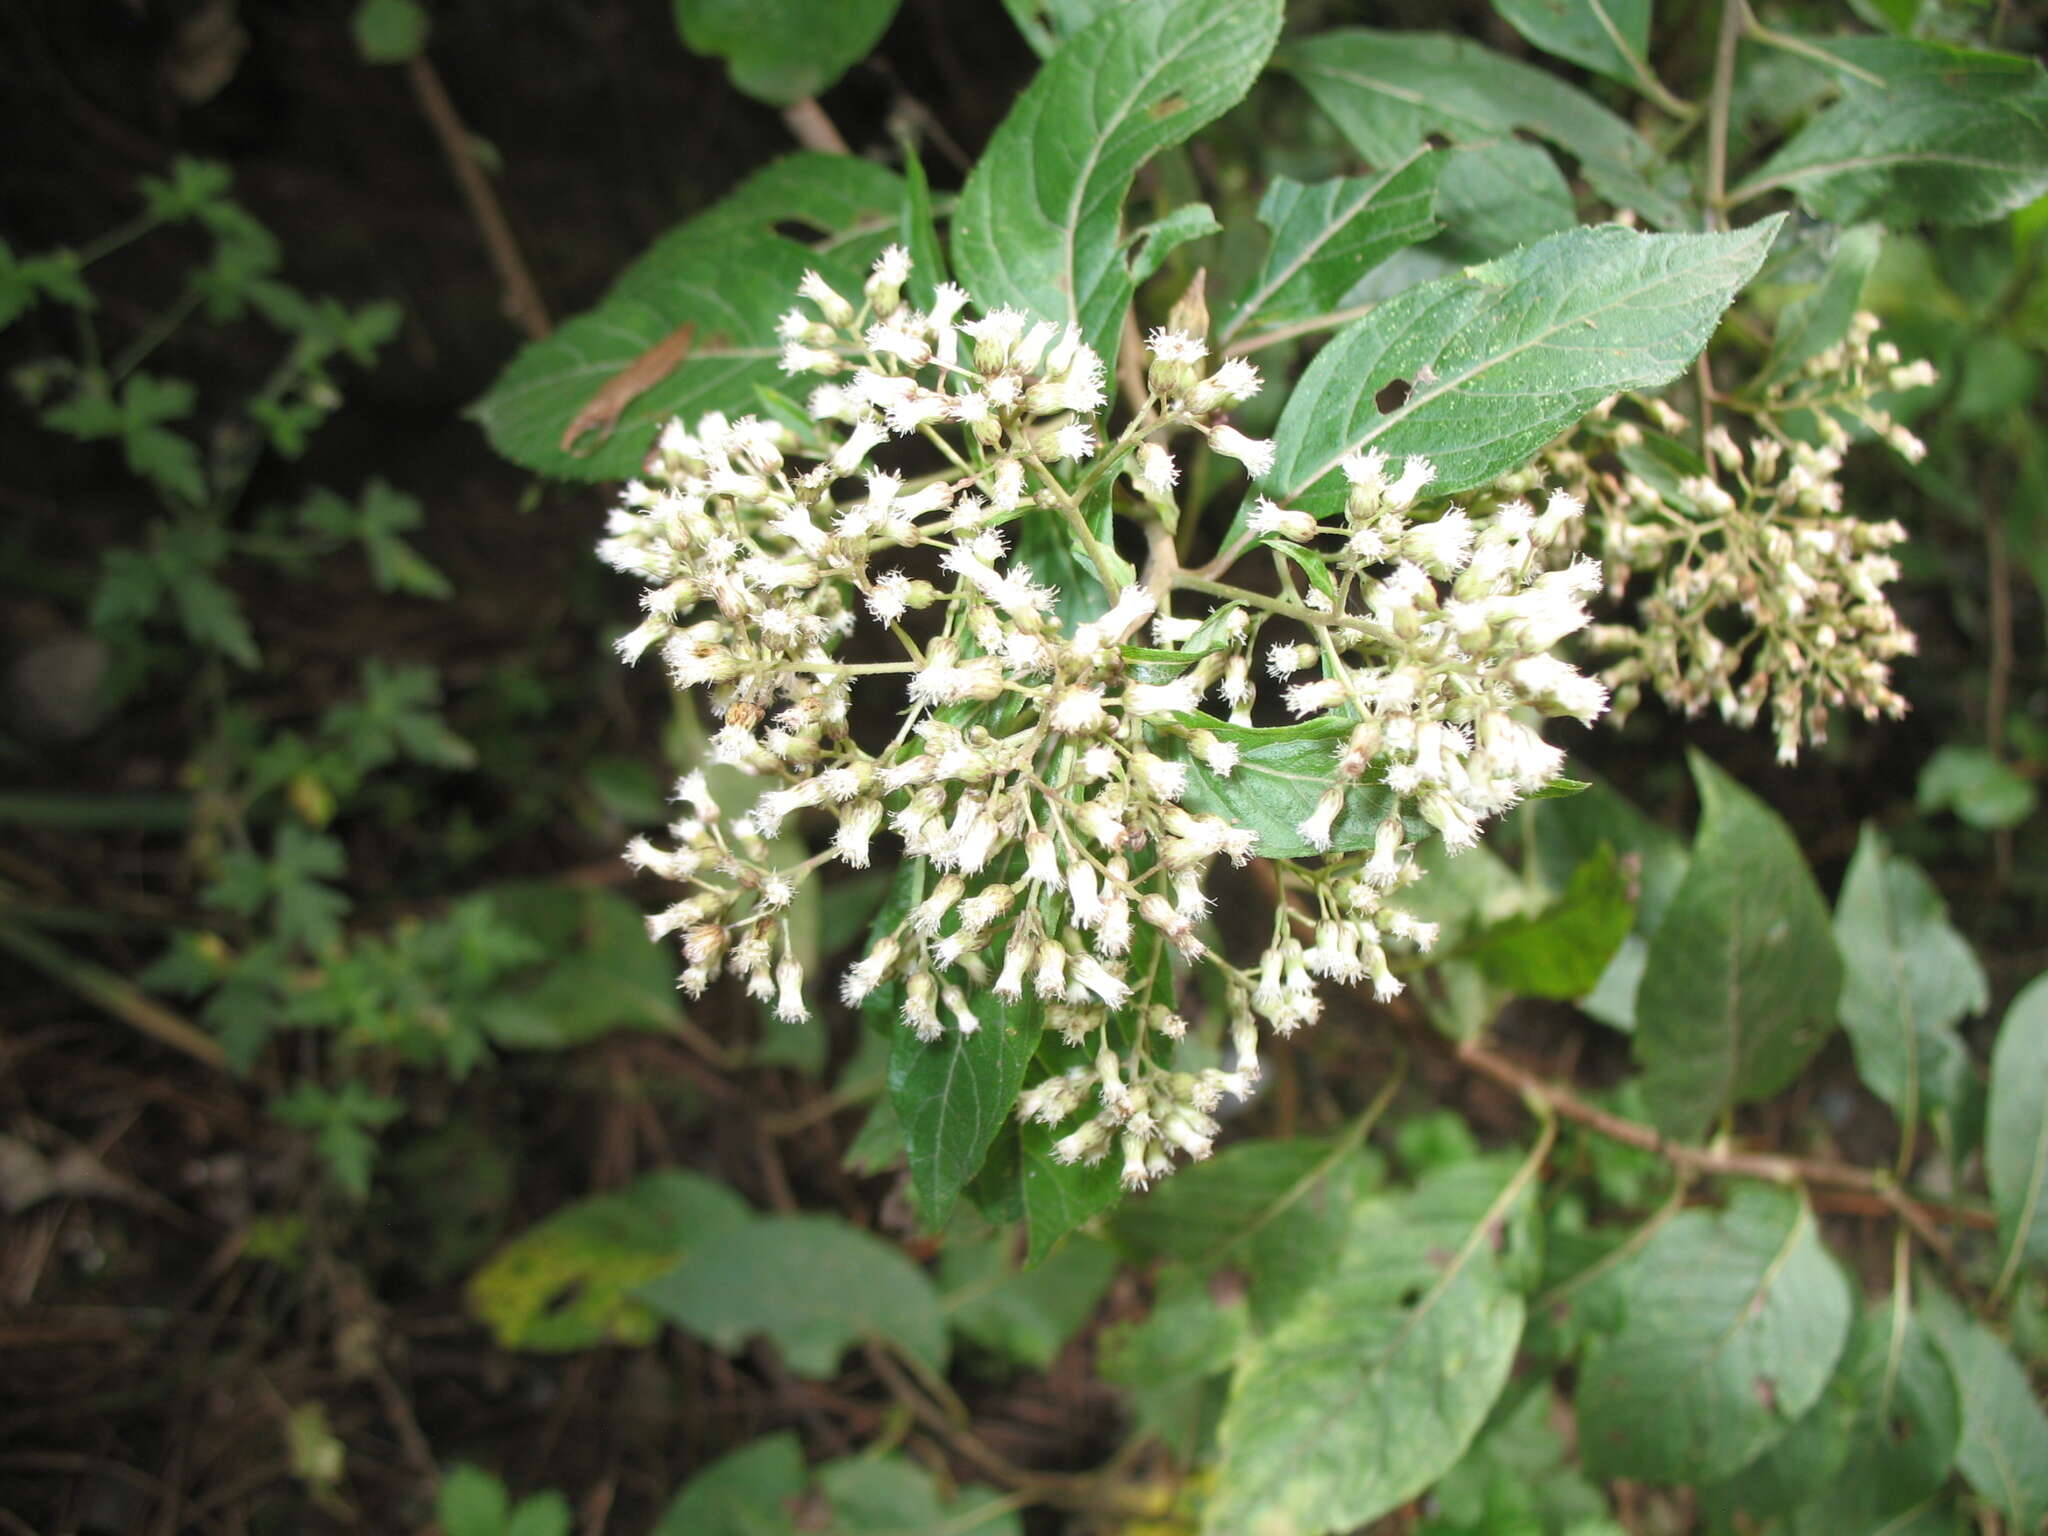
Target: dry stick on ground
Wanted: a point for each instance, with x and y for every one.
(523, 302)
(119, 997)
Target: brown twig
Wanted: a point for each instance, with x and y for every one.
(1920, 1214)
(523, 303)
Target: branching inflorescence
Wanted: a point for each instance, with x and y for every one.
(1760, 590)
(1055, 783)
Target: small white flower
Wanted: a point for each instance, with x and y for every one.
(1315, 827)
(1153, 471)
(1416, 472)
(1269, 516)
(1073, 441)
(1254, 453)
(1237, 381)
(893, 265)
(1176, 346)
(1078, 712)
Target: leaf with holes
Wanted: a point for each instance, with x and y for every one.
(1039, 222)
(1504, 357)
(567, 1283)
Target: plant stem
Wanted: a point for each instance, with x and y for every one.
(1308, 327)
(810, 127)
(523, 303)
(1717, 113)
(1077, 522)
(1757, 32)
(154, 335)
(1195, 581)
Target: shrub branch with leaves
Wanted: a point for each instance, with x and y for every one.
(1061, 660)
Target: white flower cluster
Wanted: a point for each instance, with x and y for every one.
(1052, 781)
(1760, 590)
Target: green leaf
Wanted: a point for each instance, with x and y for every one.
(1170, 1362)
(1274, 1211)
(1378, 1380)
(2003, 1452)
(725, 272)
(1908, 979)
(1819, 320)
(1517, 1477)
(780, 51)
(1386, 91)
(2016, 1126)
(390, 31)
(1281, 772)
(1574, 830)
(1038, 224)
(746, 1493)
(1742, 977)
(1326, 235)
(1964, 141)
(1609, 37)
(1806, 1461)
(953, 1094)
(1562, 950)
(893, 1496)
(1976, 786)
(813, 1284)
(1048, 23)
(839, 202)
(341, 1120)
(1151, 245)
(1495, 197)
(471, 1502)
(1732, 1323)
(918, 231)
(1057, 1196)
(1504, 357)
(1025, 1315)
(601, 972)
(540, 1514)
(567, 1283)
(1905, 1419)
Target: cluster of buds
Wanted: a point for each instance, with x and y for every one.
(1053, 783)
(1758, 591)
